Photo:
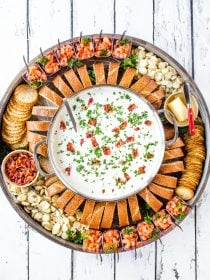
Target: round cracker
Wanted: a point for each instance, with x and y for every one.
(22, 144)
(25, 95)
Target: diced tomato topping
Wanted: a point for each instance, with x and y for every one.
(130, 139)
(141, 170)
(62, 125)
(116, 130)
(107, 151)
(137, 128)
(82, 141)
(132, 107)
(148, 122)
(94, 142)
(127, 176)
(70, 147)
(92, 122)
(119, 143)
(90, 101)
(68, 170)
(123, 125)
(108, 108)
(135, 153)
(89, 135)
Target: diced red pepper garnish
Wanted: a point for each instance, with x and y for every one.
(92, 122)
(127, 176)
(94, 142)
(89, 135)
(135, 153)
(132, 107)
(123, 125)
(62, 125)
(141, 170)
(130, 139)
(108, 108)
(107, 151)
(148, 122)
(116, 130)
(82, 141)
(137, 128)
(121, 181)
(119, 143)
(68, 170)
(90, 101)
(70, 147)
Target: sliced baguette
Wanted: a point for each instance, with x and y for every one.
(64, 198)
(59, 83)
(122, 212)
(51, 96)
(99, 73)
(151, 200)
(87, 212)
(140, 84)
(165, 180)
(127, 77)
(74, 204)
(42, 149)
(178, 144)
(46, 165)
(172, 167)
(73, 80)
(51, 180)
(134, 208)
(108, 215)
(174, 153)
(56, 188)
(161, 191)
(34, 137)
(156, 95)
(169, 131)
(37, 125)
(157, 104)
(84, 77)
(149, 88)
(113, 73)
(44, 111)
(97, 215)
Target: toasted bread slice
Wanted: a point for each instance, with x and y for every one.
(122, 212)
(108, 215)
(34, 137)
(42, 149)
(127, 77)
(25, 95)
(74, 204)
(157, 104)
(46, 165)
(99, 73)
(161, 191)
(84, 77)
(174, 153)
(87, 212)
(156, 95)
(59, 83)
(165, 180)
(64, 198)
(140, 84)
(134, 208)
(73, 80)
(113, 73)
(55, 188)
(97, 215)
(151, 200)
(169, 131)
(44, 111)
(37, 125)
(51, 96)
(178, 144)
(172, 167)
(149, 88)
(51, 180)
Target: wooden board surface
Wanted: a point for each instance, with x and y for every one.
(179, 27)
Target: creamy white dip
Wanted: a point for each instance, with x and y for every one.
(117, 149)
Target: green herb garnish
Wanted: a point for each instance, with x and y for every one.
(43, 60)
(104, 52)
(77, 237)
(183, 130)
(148, 219)
(74, 61)
(128, 230)
(130, 61)
(110, 248)
(37, 84)
(98, 152)
(124, 42)
(180, 216)
(85, 40)
(92, 76)
(154, 234)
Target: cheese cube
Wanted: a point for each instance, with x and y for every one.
(179, 109)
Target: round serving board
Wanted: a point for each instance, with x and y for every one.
(122, 80)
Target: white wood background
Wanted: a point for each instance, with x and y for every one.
(180, 27)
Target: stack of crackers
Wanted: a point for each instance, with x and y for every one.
(18, 111)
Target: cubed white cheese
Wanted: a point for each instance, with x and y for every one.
(179, 109)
